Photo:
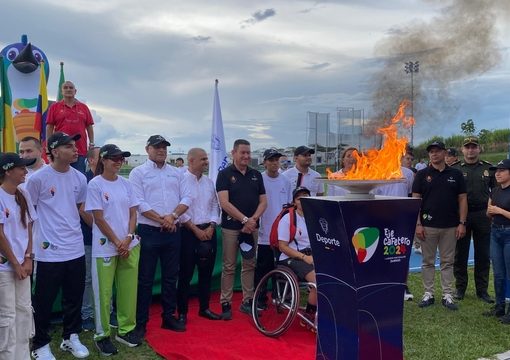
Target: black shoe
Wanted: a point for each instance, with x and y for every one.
(140, 331)
(131, 339)
(226, 311)
(173, 324)
(459, 294)
(246, 307)
(106, 347)
(427, 300)
(183, 319)
(208, 314)
(485, 298)
(505, 319)
(497, 310)
(448, 303)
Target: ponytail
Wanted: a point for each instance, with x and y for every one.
(22, 203)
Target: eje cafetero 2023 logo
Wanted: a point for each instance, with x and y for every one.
(365, 240)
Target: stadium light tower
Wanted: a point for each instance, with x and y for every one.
(412, 68)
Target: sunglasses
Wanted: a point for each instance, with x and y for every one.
(68, 87)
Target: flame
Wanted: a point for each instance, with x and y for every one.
(383, 164)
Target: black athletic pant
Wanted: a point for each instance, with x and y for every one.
(191, 256)
(50, 278)
(265, 263)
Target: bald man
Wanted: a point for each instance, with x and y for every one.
(198, 248)
(72, 117)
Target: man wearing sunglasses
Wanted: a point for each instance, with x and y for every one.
(72, 117)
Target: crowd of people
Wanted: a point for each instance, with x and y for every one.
(97, 237)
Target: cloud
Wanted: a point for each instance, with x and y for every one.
(317, 66)
(258, 16)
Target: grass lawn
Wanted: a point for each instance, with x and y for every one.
(434, 333)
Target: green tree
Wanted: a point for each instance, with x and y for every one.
(468, 127)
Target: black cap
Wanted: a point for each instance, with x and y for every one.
(10, 160)
(61, 138)
(156, 140)
(110, 150)
(503, 164)
(271, 153)
(302, 150)
(451, 151)
(437, 144)
(471, 140)
(299, 190)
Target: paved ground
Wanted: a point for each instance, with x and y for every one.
(504, 356)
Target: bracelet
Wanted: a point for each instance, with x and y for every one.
(245, 220)
(131, 236)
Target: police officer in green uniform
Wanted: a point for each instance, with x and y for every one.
(479, 182)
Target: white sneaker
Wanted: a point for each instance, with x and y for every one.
(75, 347)
(408, 296)
(43, 353)
(417, 250)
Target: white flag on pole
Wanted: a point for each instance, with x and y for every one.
(218, 158)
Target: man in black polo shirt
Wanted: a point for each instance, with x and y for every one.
(442, 221)
(242, 197)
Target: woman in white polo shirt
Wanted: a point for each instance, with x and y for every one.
(16, 217)
(115, 249)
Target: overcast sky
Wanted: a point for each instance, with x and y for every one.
(149, 66)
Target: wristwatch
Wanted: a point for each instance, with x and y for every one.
(174, 214)
(30, 256)
(245, 220)
(462, 222)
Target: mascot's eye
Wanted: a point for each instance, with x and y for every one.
(12, 53)
(37, 55)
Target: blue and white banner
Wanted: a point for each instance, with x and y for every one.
(218, 159)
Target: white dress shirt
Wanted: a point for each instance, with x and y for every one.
(158, 189)
(308, 180)
(204, 207)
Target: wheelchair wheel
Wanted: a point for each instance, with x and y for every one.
(276, 302)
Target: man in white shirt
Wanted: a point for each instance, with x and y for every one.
(198, 246)
(278, 193)
(58, 191)
(301, 174)
(163, 198)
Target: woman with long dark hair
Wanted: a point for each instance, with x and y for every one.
(16, 217)
(115, 249)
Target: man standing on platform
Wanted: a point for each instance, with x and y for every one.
(163, 198)
(278, 193)
(198, 236)
(479, 183)
(72, 117)
(441, 222)
(301, 174)
(242, 197)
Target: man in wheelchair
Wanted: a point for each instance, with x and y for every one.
(296, 253)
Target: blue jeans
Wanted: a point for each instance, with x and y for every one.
(500, 255)
(87, 307)
(165, 247)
